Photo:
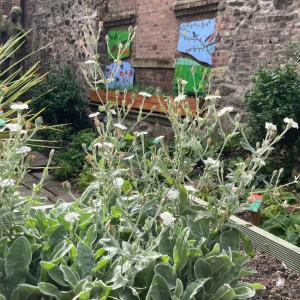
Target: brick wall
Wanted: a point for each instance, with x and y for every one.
(154, 47)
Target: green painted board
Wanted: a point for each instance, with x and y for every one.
(183, 71)
(116, 37)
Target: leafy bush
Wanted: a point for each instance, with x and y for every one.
(60, 98)
(71, 157)
(274, 96)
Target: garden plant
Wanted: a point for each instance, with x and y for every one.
(139, 230)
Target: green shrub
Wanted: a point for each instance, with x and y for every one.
(70, 158)
(276, 95)
(60, 98)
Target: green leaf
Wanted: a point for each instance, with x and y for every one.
(165, 172)
(247, 244)
(166, 244)
(194, 288)
(258, 286)
(179, 288)
(183, 199)
(244, 292)
(225, 292)
(129, 293)
(202, 269)
(166, 272)
(60, 251)
(85, 258)
(180, 252)
(101, 265)
(84, 295)
(69, 275)
(159, 289)
(24, 292)
(116, 212)
(91, 236)
(50, 290)
(219, 263)
(239, 259)
(45, 265)
(57, 275)
(3, 298)
(17, 262)
(230, 239)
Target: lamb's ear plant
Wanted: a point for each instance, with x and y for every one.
(140, 231)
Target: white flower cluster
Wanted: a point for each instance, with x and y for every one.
(291, 123)
(167, 218)
(118, 182)
(225, 110)
(144, 94)
(172, 194)
(212, 163)
(271, 127)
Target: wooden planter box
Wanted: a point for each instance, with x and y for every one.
(151, 103)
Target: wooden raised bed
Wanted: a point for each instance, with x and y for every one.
(149, 104)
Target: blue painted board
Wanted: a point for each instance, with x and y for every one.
(197, 39)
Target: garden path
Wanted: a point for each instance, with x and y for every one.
(52, 189)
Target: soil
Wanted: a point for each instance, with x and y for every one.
(281, 282)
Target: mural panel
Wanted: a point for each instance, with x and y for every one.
(198, 39)
(123, 78)
(117, 37)
(183, 71)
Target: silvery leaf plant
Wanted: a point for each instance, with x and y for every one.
(140, 230)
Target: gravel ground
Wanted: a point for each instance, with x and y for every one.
(281, 282)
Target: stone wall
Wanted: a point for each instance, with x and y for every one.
(58, 24)
(252, 33)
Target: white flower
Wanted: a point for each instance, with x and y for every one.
(172, 194)
(156, 168)
(212, 97)
(291, 123)
(23, 150)
(158, 139)
(184, 82)
(13, 127)
(6, 182)
(140, 133)
(19, 106)
(118, 182)
(167, 218)
(129, 157)
(72, 217)
(120, 126)
(130, 198)
(94, 115)
(212, 163)
(144, 94)
(179, 98)
(90, 62)
(225, 110)
(270, 127)
(285, 204)
(190, 188)
(105, 145)
(113, 112)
